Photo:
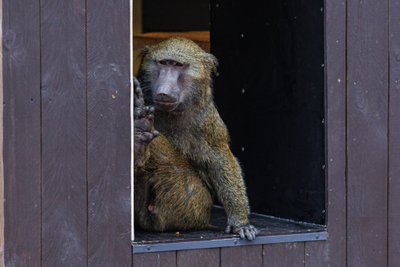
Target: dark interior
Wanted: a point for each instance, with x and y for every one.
(175, 15)
(269, 91)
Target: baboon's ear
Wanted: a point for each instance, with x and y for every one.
(211, 62)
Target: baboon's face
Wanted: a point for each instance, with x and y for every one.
(169, 88)
(176, 74)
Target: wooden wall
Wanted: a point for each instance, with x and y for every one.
(67, 147)
(362, 42)
(1, 145)
(66, 132)
(393, 207)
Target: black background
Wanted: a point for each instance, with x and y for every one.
(176, 15)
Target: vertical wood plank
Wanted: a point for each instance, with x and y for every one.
(318, 254)
(394, 136)
(163, 259)
(367, 99)
(64, 195)
(21, 65)
(333, 251)
(242, 256)
(199, 258)
(2, 263)
(283, 255)
(109, 150)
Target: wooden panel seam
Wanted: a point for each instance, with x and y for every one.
(394, 133)
(1, 142)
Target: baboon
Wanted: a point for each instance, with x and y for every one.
(178, 173)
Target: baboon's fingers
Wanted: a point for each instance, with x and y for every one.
(147, 136)
(138, 97)
(138, 101)
(150, 113)
(250, 235)
(145, 112)
(247, 231)
(135, 82)
(138, 91)
(142, 111)
(241, 233)
(139, 113)
(149, 109)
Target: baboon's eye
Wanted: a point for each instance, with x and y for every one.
(167, 62)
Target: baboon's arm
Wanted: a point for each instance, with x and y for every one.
(228, 183)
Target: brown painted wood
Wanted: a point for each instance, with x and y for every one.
(64, 196)
(21, 65)
(164, 259)
(283, 255)
(2, 263)
(242, 256)
(199, 258)
(367, 122)
(394, 136)
(109, 146)
(333, 251)
(318, 254)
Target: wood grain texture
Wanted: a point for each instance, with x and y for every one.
(2, 263)
(21, 65)
(242, 256)
(394, 136)
(64, 192)
(109, 146)
(283, 255)
(164, 259)
(199, 258)
(367, 130)
(333, 251)
(318, 254)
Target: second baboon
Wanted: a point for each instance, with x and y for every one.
(178, 173)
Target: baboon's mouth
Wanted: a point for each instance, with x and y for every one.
(166, 106)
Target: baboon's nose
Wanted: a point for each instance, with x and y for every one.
(161, 97)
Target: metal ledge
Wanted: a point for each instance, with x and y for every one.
(272, 230)
(228, 242)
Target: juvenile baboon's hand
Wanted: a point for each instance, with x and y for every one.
(143, 130)
(247, 231)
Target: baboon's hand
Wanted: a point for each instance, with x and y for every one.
(139, 106)
(144, 119)
(247, 231)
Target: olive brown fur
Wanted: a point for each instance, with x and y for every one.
(190, 162)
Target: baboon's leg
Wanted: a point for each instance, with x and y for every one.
(170, 194)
